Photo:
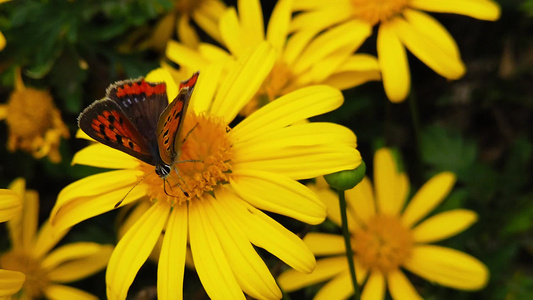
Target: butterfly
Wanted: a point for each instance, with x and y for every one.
(136, 118)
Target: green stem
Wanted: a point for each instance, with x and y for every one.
(348, 244)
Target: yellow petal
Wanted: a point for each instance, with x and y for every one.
(319, 20)
(251, 272)
(431, 194)
(305, 163)
(400, 287)
(206, 22)
(251, 21)
(393, 64)
(209, 260)
(61, 292)
(231, 32)
(331, 199)
(83, 208)
(361, 200)
(288, 109)
(278, 25)
(3, 108)
(102, 156)
(46, 239)
(296, 44)
(340, 287)
(182, 55)
(30, 218)
(325, 243)
(374, 288)
(10, 205)
(241, 85)
(422, 46)
(164, 75)
(352, 33)
(82, 135)
(479, 9)
(326, 268)
(171, 266)
(133, 250)
(313, 4)
(350, 79)
(427, 25)
(266, 233)
(186, 33)
(214, 53)
(267, 145)
(278, 194)
(322, 69)
(76, 261)
(2, 41)
(206, 86)
(448, 267)
(388, 183)
(443, 225)
(10, 282)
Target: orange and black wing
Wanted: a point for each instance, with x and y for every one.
(171, 120)
(107, 123)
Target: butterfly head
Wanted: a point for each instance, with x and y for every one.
(163, 170)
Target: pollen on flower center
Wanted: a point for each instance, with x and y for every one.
(374, 11)
(277, 83)
(384, 244)
(203, 164)
(36, 277)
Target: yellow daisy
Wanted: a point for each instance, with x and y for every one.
(386, 237)
(31, 255)
(10, 206)
(244, 169)
(34, 123)
(401, 24)
(204, 13)
(303, 59)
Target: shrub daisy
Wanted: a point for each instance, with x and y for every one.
(385, 238)
(238, 171)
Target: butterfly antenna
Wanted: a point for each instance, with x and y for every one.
(188, 133)
(143, 178)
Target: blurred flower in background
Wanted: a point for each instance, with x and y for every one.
(33, 121)
(303, 59)
(243, 169)
(401, 24)
(385, 238)
(10, 206)
(46, 270)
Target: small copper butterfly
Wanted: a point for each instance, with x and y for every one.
(136, 118)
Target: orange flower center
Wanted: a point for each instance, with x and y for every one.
(36, 277)
(187, 7)
(374, 11)
(276, 84)
(384, 244)
(203, 164)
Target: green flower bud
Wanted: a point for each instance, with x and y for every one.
(348, 179)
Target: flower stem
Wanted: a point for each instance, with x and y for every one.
(348, 244)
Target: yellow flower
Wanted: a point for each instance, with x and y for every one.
(250, 167)
(385, 238)
(31, 255)
(401, 23)
(204, 13)
(10, 206)
(34, 123)
(303, 59)
(2, 38)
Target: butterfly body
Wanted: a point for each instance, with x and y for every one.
(135, 117)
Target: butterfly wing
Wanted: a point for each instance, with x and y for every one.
(142, 102)
(105, 122)
(171, 120)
